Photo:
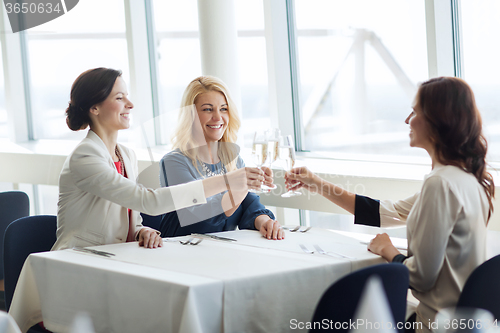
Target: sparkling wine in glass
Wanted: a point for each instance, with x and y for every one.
(273, 145)
(287, 154)
(273, 139)
(260, 153)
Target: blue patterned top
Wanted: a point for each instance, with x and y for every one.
(176, 168)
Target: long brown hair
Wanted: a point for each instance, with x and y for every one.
(449, 107)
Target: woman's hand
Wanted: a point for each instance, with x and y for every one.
(269, 228)
(149, 238)
(268, 176)
(382, 246)
(245, 179)
(302, 178)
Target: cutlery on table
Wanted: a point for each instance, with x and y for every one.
(99, 253)
(297, 228)
(320, 250)
(306, 229)
(215, 237)
(185, 242)
(196, 241)
(305, 249)
(331, 253)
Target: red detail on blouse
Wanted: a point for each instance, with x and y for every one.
(119, 167)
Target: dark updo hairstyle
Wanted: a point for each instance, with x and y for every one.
(449, 107)
(90, 88)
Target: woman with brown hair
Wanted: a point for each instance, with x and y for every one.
(99, 199)
(446, 221)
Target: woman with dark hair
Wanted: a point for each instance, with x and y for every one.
(446, 221)
(99, 199)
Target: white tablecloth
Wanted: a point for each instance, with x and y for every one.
(252, 285)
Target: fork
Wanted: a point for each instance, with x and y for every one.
(295, 229)
(185, 242)
(333, 254)
(196, 242)
(306, 229)
(305, 249)
(320, 250)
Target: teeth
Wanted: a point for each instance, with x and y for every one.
(218, 126)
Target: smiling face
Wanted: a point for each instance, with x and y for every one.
(114, 112)
(213, 113)
(419, 129)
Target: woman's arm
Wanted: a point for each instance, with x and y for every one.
(176, 168)
(367, 211)
(269, 228)
(90, 171)
(304, 178)
(382, 246)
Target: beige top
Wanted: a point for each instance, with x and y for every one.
(93, 197)
(446, 230)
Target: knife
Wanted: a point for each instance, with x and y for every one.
(216, 237)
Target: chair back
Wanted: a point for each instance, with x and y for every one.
(24, 236)
(340, 301)
(482, 289)
(13, 205)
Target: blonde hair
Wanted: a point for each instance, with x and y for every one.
(183, 138)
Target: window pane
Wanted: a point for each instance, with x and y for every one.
(179, 59)
(3, 113)
(359, 65)
(253, 68)
(62, 49)
(480, 29)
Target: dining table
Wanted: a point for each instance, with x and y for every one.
(233, 281)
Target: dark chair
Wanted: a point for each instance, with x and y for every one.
(482, 289)
(151, 221)
(25, 236)
(13, 205)
(340, 301)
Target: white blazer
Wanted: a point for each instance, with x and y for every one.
(94, 197)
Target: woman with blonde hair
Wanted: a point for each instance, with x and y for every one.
(204, 146)
(99, 199)
(446, 221)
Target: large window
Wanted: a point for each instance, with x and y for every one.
(359, 64)
(480, 30)
(253, 68)
(90, 35)
(3, 112)
(179, 61)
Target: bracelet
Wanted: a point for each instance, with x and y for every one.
(229, 190)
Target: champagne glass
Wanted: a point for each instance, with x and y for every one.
(287, 154)
(260, 153)
(273, 138)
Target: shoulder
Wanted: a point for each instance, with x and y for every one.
(451, 184)
(87, 147)
(239, 162)
(174, 156)
(451, 177)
